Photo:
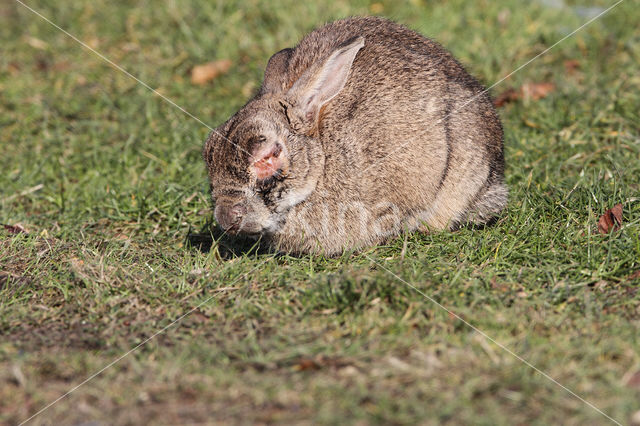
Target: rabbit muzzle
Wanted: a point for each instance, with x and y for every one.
(230, 217)
(244, 217)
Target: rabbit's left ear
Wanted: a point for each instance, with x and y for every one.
(321, 83)
(275, 75)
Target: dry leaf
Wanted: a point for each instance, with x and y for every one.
(529, 91)
(498, 286)
(318, 362)
(61, 66)
(15, 229)
(306, 364)
(537, 91)
(13, 68)
(17, 376)
(634, 276)
(93, 43)
(46, 65)
(610, 220)
(571, 66)
(530, 123)
(36, 43)
(199, 318)
(508, 95)
(201, 74)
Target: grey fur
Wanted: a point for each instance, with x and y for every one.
(370, 127)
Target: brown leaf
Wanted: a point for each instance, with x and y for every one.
(507, 96)
(201, 74)
(498, 286)
(13, 68)
(571, 66)
(15, 229)
(199, 318)
(537, 91)
(611, 220)
(318, 362)
(61, 66)
(634, 276)
(306, 364)
(532, 91)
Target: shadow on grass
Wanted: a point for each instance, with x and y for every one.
(476, 226)
(213, 237)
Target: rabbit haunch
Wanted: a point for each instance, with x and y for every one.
(361, 131)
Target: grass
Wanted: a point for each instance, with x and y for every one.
(109, 183)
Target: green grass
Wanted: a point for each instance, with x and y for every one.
(108, 180)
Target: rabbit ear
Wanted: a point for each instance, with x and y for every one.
(275, 75)
(319, 85)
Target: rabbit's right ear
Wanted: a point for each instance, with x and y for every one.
(321, 83)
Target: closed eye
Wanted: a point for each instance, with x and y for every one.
(229, 192)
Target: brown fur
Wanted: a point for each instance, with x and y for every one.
(398, 147)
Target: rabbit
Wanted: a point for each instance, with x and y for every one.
(364, 130)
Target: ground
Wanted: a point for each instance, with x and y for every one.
(107, 183)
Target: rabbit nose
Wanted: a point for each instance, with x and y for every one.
(230, 218)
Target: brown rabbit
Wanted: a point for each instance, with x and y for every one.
(363, 130)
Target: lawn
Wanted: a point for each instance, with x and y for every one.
(110, 238)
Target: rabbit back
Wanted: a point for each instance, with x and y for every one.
(411, 127)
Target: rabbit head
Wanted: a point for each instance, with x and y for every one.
(265, 160)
